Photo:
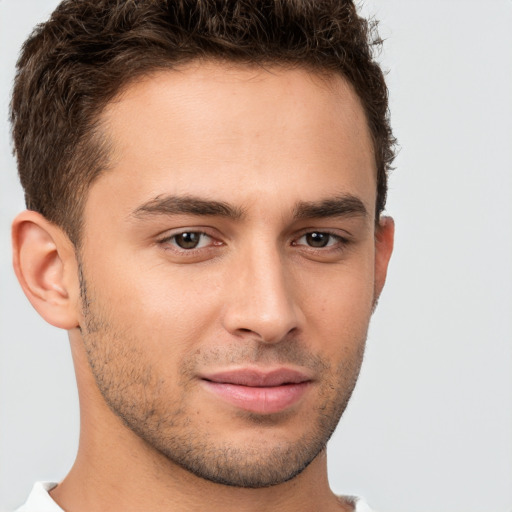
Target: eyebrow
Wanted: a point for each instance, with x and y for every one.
(176, 205)
(340, 206)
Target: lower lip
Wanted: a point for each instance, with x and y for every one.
(260, 400)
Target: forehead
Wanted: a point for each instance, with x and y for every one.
(230, 130)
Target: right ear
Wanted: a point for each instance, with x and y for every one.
(45, 264)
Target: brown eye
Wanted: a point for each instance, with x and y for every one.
(188, 240)
(317, 239)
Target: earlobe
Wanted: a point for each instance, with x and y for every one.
(384, 239)
(45, 265)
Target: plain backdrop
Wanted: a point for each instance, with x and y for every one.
(429, 428)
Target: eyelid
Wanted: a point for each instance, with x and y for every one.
(341, 239)
(170, 232)
(168, 236)
(342, 236)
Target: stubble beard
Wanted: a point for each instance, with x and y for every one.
(130, 387)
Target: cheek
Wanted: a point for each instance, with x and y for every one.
(338, 307)
(159, 305)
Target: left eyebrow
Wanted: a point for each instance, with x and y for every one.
(341, 206)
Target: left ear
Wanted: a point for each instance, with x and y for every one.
(384, 238)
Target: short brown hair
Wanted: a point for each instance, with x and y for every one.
(75, 63)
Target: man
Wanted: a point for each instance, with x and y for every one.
(205, 183)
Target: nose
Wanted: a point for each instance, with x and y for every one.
(261, 302)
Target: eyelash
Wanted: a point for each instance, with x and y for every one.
(339, 242)
(335, 241)
(171, 240)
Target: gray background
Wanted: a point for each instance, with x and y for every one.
(430, 425)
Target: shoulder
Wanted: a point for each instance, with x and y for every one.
(362, 506)
(358, 504)
(39, 499)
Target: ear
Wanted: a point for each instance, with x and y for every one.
(45, 265)
(384, 239)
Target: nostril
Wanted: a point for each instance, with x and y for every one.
(244, 330)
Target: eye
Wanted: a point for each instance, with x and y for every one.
(318, 239)
(189, 240)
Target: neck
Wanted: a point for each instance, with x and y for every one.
(105, 478)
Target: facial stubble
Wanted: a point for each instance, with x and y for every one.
(134, 392)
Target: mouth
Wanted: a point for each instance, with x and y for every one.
(258, 391)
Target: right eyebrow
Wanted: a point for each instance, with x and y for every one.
(191, 205)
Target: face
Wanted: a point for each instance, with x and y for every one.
(228, 266)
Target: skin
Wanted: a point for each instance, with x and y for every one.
(277, 161)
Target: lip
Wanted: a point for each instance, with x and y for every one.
(258, 391)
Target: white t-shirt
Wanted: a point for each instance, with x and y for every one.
(40, 500)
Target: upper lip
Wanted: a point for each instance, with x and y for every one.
(255, 377)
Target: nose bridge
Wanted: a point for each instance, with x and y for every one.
(261, 301)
